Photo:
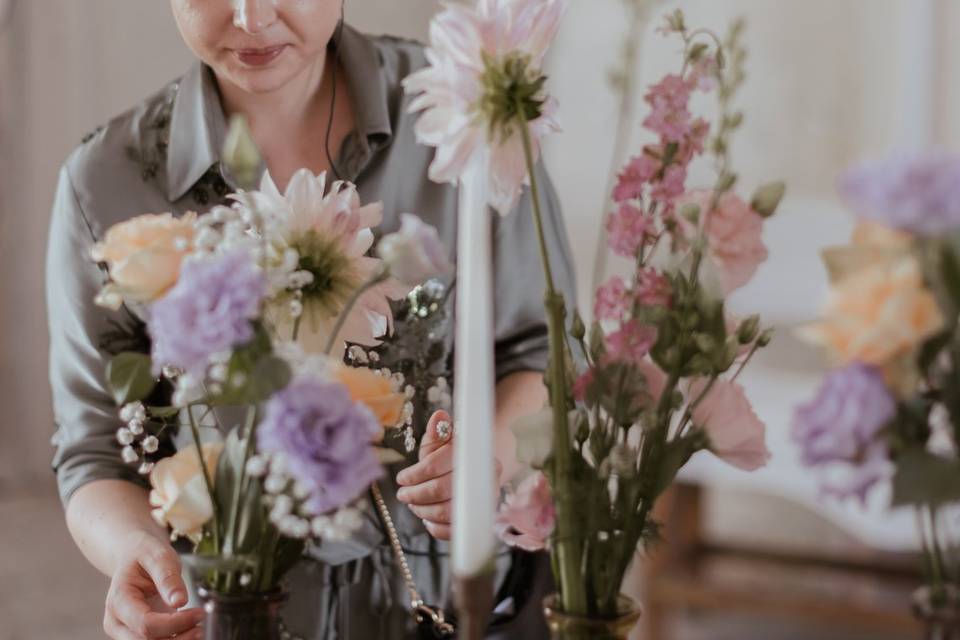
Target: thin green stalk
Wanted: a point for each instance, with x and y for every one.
(342, 318)
(207, 478)
(296, 327)
(937, 564)
(569, 547)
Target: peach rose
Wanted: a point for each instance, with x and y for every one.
(734, 236)
(144, 253)
(179, 497)
(878, 313)
(871, 245)
(374, 391)
(736, 434)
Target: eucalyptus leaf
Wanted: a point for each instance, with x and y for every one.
(129, 377)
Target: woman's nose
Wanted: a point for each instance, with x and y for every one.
(254, 16)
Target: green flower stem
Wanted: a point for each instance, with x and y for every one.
(207, 478)
(351, 303)
(936, 555)
(296, 327)
(569, 542)
(231, 541)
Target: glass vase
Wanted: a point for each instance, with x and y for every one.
(564, 626)
(241, 617)
(939, 612)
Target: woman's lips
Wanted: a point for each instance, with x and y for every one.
(259, 57)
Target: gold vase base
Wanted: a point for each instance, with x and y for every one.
(564, 626)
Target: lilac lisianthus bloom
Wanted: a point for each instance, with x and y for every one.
(840, 429)
(919, 194)
(208, 311)
(844, 419)
(324, 438)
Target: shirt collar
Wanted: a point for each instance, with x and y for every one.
(198, 125)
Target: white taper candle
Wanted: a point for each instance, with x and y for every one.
(474, 502)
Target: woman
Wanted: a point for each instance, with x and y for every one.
(313, 90)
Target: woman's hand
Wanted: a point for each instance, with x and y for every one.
(427, 487)
(145, 591)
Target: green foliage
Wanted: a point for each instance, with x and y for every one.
(253, 373)
(923, 478)
(129, 378)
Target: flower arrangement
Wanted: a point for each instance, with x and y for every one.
(653, 379)
(253, 305)
(888, 413)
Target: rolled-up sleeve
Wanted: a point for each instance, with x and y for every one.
(85, 414)
(520, 318)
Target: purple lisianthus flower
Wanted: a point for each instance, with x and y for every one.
(208, 311)
(842, 424)
(324, 438)
(918, 194)
(843, 420)
(856, 481)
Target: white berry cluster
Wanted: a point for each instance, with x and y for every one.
(439, 395)
(287, 501)
(133, 437)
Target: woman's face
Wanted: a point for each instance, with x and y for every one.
(257, 45)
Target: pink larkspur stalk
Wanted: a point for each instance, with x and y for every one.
(468, 48)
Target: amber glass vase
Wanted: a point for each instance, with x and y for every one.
(569, 627)
(242, 617)
(938, 611)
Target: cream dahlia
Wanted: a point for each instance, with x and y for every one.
(330, 231)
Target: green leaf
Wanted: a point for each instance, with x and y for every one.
(726, 182)
(227, 476)
(598, 346)
(690, 212)
(767, 198)
(924, 478)
(676, 454)
(950, 272)
(163, 412)
(269, 376)
(129, 377)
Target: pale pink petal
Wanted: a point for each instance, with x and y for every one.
(736, 434)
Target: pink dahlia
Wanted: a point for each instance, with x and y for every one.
(483, 60)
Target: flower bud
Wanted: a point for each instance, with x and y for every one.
(240, 153)
(748, 329)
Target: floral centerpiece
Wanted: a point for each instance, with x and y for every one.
(654, 378)
(888, 413)
(253, 306)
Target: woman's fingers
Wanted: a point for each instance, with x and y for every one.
(116, 630)
(438, 531)
(162, 564)
(436, 464)
(430, 492)
(130, 609)
(434, 438)
(440, 513)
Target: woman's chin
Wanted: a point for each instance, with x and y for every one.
(265, 79)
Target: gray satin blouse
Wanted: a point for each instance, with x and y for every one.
(164, 155)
